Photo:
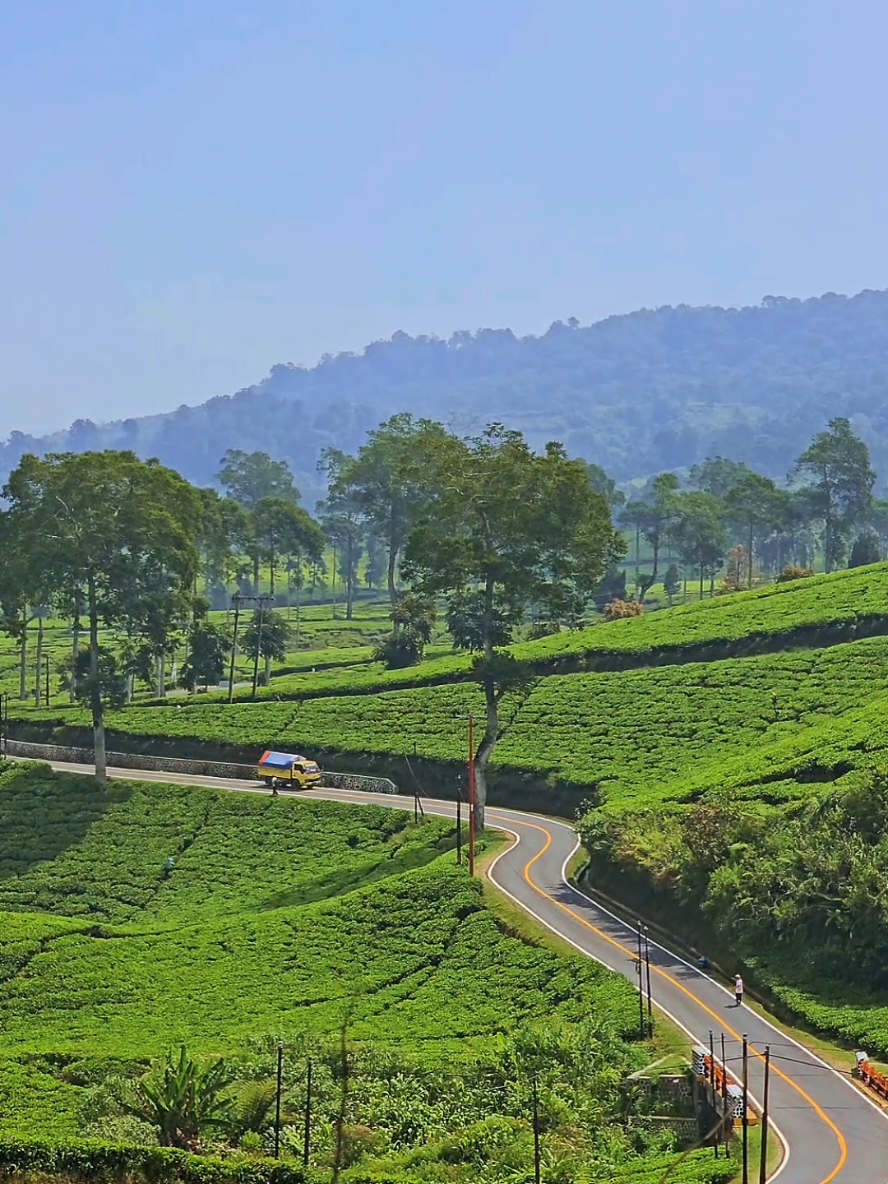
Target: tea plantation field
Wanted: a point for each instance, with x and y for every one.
(285, 919)
(624, 736)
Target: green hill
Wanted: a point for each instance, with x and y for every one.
(750, 383)
(294, 920)
(695, 739)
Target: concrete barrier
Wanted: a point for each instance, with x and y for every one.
(172, 765)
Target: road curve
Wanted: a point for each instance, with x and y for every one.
(832, 1132)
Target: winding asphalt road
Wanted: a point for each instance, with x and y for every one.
(830, 1130)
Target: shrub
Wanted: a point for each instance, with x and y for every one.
(794, 571)
(866, 549)
(89, 1160)
(616, 610)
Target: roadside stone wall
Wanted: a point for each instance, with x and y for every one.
(169, 764)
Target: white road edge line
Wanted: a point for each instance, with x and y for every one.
(132, 774)
(764, 1018)
(690, 1035)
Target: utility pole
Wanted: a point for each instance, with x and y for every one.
(647, 962)
(745, 1119)
(725, 1101)
(471, 794)
(763, 1166)
(277, 1102)
(712, 1081)
(237, 603)
(458, 822)
(641, 1024)
(306, 1143)
(536, 1132)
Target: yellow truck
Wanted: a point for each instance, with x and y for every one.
(289, 770)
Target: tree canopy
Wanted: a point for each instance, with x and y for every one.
(503, 529)
(112, 531)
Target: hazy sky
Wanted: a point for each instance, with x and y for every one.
(193, 191)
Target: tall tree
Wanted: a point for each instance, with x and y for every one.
(504, 528)
(866, 549)
(755, 504)
(223, 534)
(603, 484)
(834, 471)
(384, 485)
(250, 476)
(652, 516)
(283, 530)
(343, 518)
(121, 529)
(699, 532)
(717, 474)
(22, 585)
(208, 647)
(269, 634)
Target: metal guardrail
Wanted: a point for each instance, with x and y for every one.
(172, 764)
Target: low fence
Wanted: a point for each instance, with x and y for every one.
(171, 764)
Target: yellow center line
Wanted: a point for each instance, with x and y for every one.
(843, 1146)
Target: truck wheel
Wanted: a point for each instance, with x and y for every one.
(268, 780)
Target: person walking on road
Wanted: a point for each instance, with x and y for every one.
(738, 990)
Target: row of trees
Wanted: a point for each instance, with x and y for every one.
(826, 508)
(482, 528)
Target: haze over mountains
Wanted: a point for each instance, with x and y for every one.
(637, 393)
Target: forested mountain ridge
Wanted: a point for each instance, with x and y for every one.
(637, 393)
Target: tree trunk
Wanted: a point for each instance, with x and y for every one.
(701, 581)
(392, 565)
(637, 552)
(160, 675)
(256, 572)
(38, 697)
(349, 577)
(75, 649)
(298, 599)
(749, 556)
(23, 656)
(95, 689)
(273, 564)
(333, 584)
(484, 753)
(491, 731)
(267, 677)
(648, 582)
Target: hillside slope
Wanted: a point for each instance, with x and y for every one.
(295, 921)
(752, 383)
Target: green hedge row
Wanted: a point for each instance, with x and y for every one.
(93, 1160)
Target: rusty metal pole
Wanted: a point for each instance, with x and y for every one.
(712, 1080)
(745, 1119)
(763, 1166)
(471, 794)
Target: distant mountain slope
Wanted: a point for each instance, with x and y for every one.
(636, 393)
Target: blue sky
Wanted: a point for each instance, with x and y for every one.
(193, 191)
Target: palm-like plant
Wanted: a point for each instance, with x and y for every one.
(183, 1100)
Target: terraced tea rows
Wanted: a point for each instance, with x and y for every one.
(624, 735)
(283, 919)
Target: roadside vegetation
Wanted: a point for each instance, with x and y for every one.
(152, 936)
(668, 668)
